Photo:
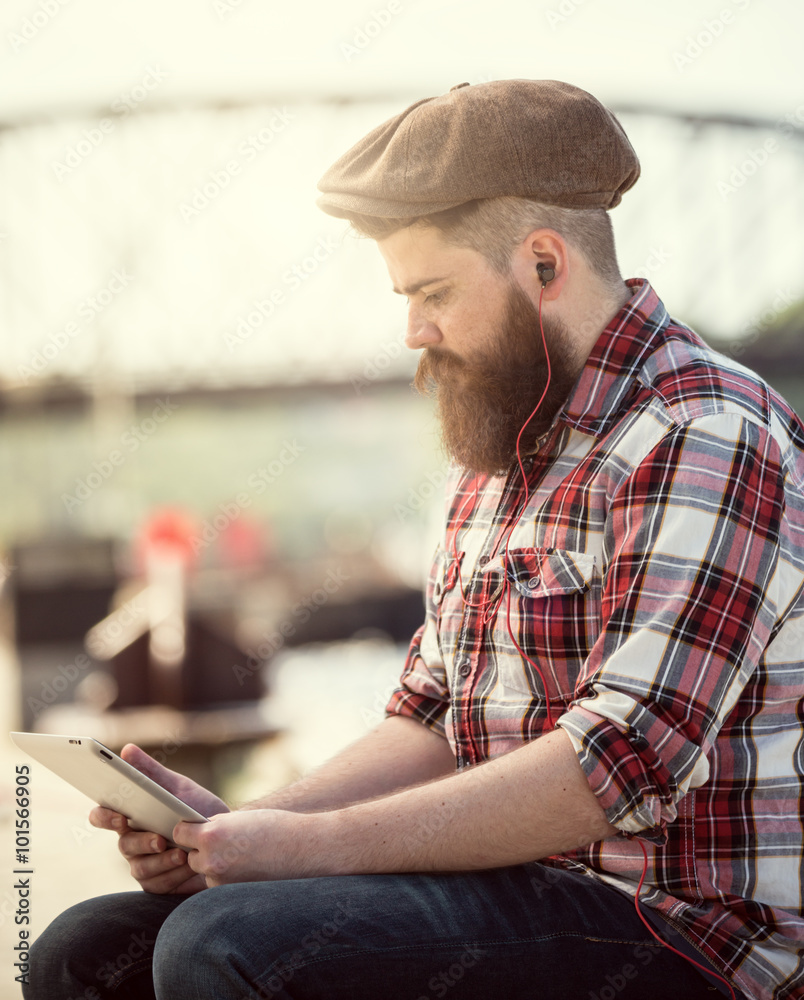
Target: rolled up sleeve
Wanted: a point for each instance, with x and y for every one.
(422, 692)
(687, 610)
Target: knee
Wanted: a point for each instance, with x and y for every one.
(222, 940)
(66, 953)
(96, 944)
(194, 947)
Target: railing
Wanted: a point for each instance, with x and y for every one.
(148, 247)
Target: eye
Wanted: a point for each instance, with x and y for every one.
(436, 298)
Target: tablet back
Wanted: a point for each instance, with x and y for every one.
(108, 780)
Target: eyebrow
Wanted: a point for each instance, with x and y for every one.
(412, 289)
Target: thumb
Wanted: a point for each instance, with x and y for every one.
(151, 768)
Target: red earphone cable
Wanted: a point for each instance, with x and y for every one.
(506, 596)
(507, 586)
(659, 939)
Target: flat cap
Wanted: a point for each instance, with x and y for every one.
(538, 139)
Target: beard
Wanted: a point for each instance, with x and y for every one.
(483, 402)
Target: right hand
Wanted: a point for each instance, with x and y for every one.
(156, 867)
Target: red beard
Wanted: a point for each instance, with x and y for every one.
(484, 401)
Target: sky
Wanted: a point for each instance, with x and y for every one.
(740, 56)
(318, 75)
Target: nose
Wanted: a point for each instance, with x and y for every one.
(421, 331)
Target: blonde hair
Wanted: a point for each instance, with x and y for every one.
(494, 227)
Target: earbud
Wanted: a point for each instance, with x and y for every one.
(545, 273)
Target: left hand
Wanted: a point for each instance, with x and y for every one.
(254, 845)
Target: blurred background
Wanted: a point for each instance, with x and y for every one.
(219, 493)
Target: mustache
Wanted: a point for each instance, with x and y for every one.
(441, 358)
(437, 364)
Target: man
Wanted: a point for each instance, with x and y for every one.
(607, 685)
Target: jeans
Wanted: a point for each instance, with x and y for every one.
(517, 933)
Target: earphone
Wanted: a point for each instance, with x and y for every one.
(545, 273)
(490, 606)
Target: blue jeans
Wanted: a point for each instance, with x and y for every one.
(519, 933)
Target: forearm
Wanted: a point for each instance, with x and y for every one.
(525, 805)
(528, 804)
(398, 753)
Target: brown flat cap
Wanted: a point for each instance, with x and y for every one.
(538, 139)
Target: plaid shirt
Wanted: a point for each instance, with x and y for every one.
(655, 573)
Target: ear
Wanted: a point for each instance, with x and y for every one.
(548, 248)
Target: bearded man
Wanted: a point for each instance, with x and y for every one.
(588, 783)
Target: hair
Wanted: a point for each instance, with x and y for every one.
(494, 227)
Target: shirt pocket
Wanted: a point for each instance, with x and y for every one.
(444, 578)
(445, 605)
(553, 606)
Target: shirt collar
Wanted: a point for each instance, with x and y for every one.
(615, 360)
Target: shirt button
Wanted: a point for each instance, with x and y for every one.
(534, 582)
(483, 560)
(527, 464)
(465, 668)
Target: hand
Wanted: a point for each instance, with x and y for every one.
(157, 868)
(256, 845)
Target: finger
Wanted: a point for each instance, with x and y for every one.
(145, 867)
(212, 867)
(136, 756)
(133, 843)
(186, 834)
(151, 768)
(194, 884)
(176, 880)
(107, 819)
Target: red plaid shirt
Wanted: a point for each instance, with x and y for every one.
(655, 574)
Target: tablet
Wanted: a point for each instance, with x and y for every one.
(110, 781)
